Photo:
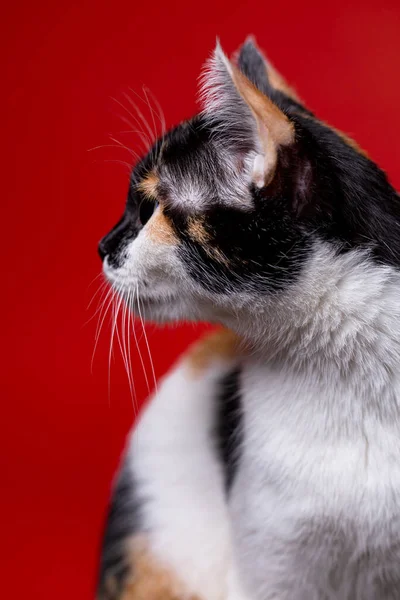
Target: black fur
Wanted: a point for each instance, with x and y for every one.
(124, 520)
(350, 199)
(228, 429)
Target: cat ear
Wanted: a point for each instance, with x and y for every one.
(246, 117)
(253, 63)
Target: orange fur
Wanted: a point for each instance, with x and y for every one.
(159, 229)
(222, 343)
(197, 231)
(265, 111)
(149, 184)
(150, 580)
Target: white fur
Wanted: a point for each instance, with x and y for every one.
(173, 461)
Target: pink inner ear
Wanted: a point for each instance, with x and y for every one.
(258, 173)
(240, 162)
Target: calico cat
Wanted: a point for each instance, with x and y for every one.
(267, 464)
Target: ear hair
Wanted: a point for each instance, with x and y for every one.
(222, 104)
(234, 104)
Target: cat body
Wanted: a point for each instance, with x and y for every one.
(267, 464)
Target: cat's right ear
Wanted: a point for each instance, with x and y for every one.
(248, 121)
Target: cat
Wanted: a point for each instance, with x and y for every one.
(267, 464)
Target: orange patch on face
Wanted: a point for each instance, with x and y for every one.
(149, 184)
(222, 343)
(199, 234)
(160, 230)
(197, 231)
(150, 580)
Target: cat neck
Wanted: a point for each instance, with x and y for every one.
(340, 321)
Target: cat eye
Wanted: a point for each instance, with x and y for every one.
(146, 209)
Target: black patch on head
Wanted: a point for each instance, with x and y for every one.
(258, 251)
(228, 431)
(253, 250)
(123, 520)
(348, 199)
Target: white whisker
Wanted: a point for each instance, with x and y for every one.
(119, 144)
(146, 340)
(100, 290)
(114, 328)
(125, 342)
(152, 113)
(138, 345)
(140, 115)
(135, 119)
(128, 314)
(160, 113)
(100, 322)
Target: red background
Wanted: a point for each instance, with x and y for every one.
(61, 430)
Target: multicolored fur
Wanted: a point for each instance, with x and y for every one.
(267, 465)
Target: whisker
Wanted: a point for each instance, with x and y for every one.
(99, 307)
(101, 289)
(123, 146)
(109, 296)
(113, 328)
(143, 137)
(95, 279)
(119, 162)
(128, 315)
(121, 344)
(151, 112)
(101, 146)
(138, 345)
(101, 319)
(140, 115)
(124, 343)
(160, 113)
(145, 100)
(135, 119)
(146, 340)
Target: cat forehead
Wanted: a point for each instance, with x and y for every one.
(191, 169)
(195, 177)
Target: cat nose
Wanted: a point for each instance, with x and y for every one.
(102, 248)
(111, 243)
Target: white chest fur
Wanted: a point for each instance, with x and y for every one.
(326, 448)
(312, 455)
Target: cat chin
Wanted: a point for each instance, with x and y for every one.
(160, 311)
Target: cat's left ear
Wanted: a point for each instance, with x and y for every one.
(253, 63)
(248, 119)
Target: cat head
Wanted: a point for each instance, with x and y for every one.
(228, 210)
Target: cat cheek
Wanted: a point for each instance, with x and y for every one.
(160, 231)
